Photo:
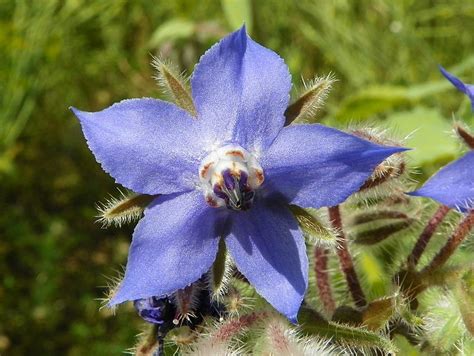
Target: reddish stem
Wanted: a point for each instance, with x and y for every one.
(426, 235)
(454, 241)
(345, 258)
(322, 278)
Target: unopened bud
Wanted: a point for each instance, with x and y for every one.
(371, 216)
(377, 234)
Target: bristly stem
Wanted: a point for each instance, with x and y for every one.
(322, 278)
(345, 258)
(454, 241)
(160, 350)
(426, 235)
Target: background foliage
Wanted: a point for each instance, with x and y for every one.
(53, 54)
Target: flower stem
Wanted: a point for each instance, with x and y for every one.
(345, 258)
(160, 350)
(455, 240)
(426, 235)
(322, 278)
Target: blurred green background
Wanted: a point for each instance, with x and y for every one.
(54, 260)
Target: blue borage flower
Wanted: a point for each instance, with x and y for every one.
(467, 89)
(453, 185)
(229, 173)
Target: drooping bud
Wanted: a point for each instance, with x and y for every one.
(314, 228)
(174, 84)
(311, 100)
(125, 209)
(375, 215)
(465, 135)
(376, 234)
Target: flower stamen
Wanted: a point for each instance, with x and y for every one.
(229, 177)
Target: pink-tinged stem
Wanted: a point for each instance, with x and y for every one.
(426, 235)
(345, 258)
(322, 278)
(454, 241)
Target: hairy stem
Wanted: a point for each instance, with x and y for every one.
(426, 235)
(454, 241)
(345, 258)
(322, 278)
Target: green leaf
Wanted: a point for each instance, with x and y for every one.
(371, 101)
(428, 135)
(238, 12)
(172, 30)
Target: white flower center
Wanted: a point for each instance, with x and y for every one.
(229, 177)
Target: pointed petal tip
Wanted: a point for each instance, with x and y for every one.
(78, 113)
(390, 150)
(293, 319)
(415, 193)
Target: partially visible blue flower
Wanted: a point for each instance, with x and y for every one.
(467, 89)
(453, 185)
(228, 173)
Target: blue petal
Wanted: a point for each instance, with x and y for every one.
(147, 145)
(173, 246)
(467, 89)
(453, 185)
(241, 91)
(315, 166)
(269, 250)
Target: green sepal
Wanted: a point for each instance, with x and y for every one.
(218, 277)
(313, 229)
(313, 324)
(378, 313)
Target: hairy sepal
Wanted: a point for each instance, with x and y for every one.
(278, 337)
(220, 273)
(314, 227)
(174, 84)
(348, 337)
(310, 100)
(126, 208)
(466, 136)
(186, 301)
